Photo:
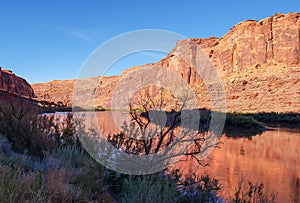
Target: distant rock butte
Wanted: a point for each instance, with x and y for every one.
(258, 63)
(11, 83)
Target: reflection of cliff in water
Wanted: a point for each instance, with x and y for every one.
(272, 158)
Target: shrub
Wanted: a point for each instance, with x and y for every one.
(14, 185)
(148, 189)
(167, 186)
(201, 188)
(243, 121)
(84, 172)
(248, 193)
(73, 178)
(29, 131)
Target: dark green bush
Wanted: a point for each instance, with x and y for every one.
(243, 121)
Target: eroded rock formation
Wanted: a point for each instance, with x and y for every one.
(13, 84)
(258, 63)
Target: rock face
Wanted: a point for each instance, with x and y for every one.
(273, 40)
(258, 63)
(55, 91)
(11, 83)
(61, 91)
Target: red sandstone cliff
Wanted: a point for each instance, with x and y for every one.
(61, 92)
(258, 62)
(11, 83)
(274, 40)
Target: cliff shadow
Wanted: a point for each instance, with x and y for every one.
(238, 124)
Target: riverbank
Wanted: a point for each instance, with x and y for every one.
(237, 124)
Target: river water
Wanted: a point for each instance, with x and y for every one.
(271, 158)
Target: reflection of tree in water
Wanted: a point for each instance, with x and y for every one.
(164, 132)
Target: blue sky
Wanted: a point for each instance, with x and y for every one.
(47, 40)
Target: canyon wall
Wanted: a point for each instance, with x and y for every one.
(274, 40)
(13, 84)
(258, 63)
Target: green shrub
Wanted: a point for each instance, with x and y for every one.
(292, 118)
(243, 121)
(148, 189)
(168, 187)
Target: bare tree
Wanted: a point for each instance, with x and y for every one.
(157, 127)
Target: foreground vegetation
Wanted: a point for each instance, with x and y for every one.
(41, 160)
(69, 174)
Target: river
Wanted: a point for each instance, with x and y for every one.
(271, 158)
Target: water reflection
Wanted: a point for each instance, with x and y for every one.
(271, 158)
(158, 144)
